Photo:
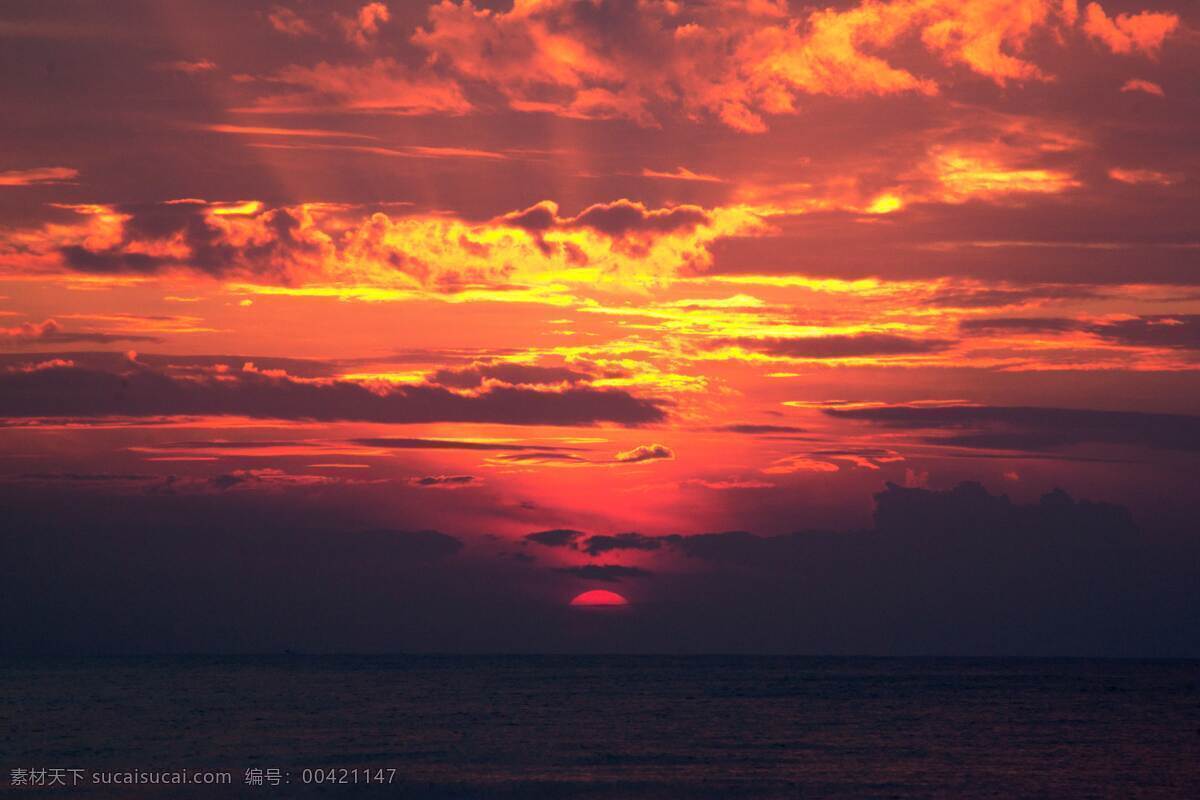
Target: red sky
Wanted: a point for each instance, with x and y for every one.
(601, 265)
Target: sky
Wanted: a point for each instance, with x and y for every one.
(856, 326)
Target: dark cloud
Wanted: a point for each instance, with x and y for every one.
(600, 543)
(512, 374)
(623, 217)
(731, 546)
(609, 573)
(112, 260)
(958, 571)
(50, 332)
(536, 219)
(417, 545)
(855, 452)
(178, 363)
(400, 443)
(85, 477)
(617, 219)
(73, 391)
(965, 521)
(999, 298)
(645, 452)
(442, 481)
(1179, 331)
(847, 346)
(228, 444)
(1032, 428)
(539, 455)
(1019, 325)
(209, 248)
(1173, 330)
(757, 429)
(560, 537)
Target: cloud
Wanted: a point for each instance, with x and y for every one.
(740, 62)
(645, 452)
(218, 239)
(1172, 331)
(229, 444)
(266, 477)
(1139, 85)
(681, 174)
(382, 86)
(539, 456)
(1127, 33)
(1138, 176)
(959, 571)
(139, 392)
(508, 373)
(999, 297)
(86, 477)
(609, 573)
(984, 325)
(397, 443)
(799, 463)
(362, 28)
(1033, 428)
(258, 130)
(417, 545)
(725, 485)
(35, 177)
(187, 67)
(858, 345)
(288, 22)
(595, 545)
(965, 524)
(345, 246)
(906, 518)
(731, 547)
(755, 429)
(560, 537)
(50, 332)
(1181, 331)
(616, 219)
(623, 217)
(443, 481)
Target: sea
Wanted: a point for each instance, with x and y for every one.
(620, 727)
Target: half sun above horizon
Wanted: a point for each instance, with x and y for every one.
(599, 598)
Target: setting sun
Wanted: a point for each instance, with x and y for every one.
(599, 598)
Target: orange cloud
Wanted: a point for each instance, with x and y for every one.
(382, 86)
(329, 245)
(1138, 85)
(187, 67)
(645, 452)
(288, 22)
(51, 332)
(1127, 33)
(964, 175)
(681, 174)
(257, 130)
(32, 177)
(1135, 176)
(363, 26)
(991, 157)
(739, 61)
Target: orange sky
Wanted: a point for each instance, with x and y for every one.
(613, 266)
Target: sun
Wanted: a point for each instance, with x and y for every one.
(599, 598)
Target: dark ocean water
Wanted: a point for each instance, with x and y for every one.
(610, 727)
